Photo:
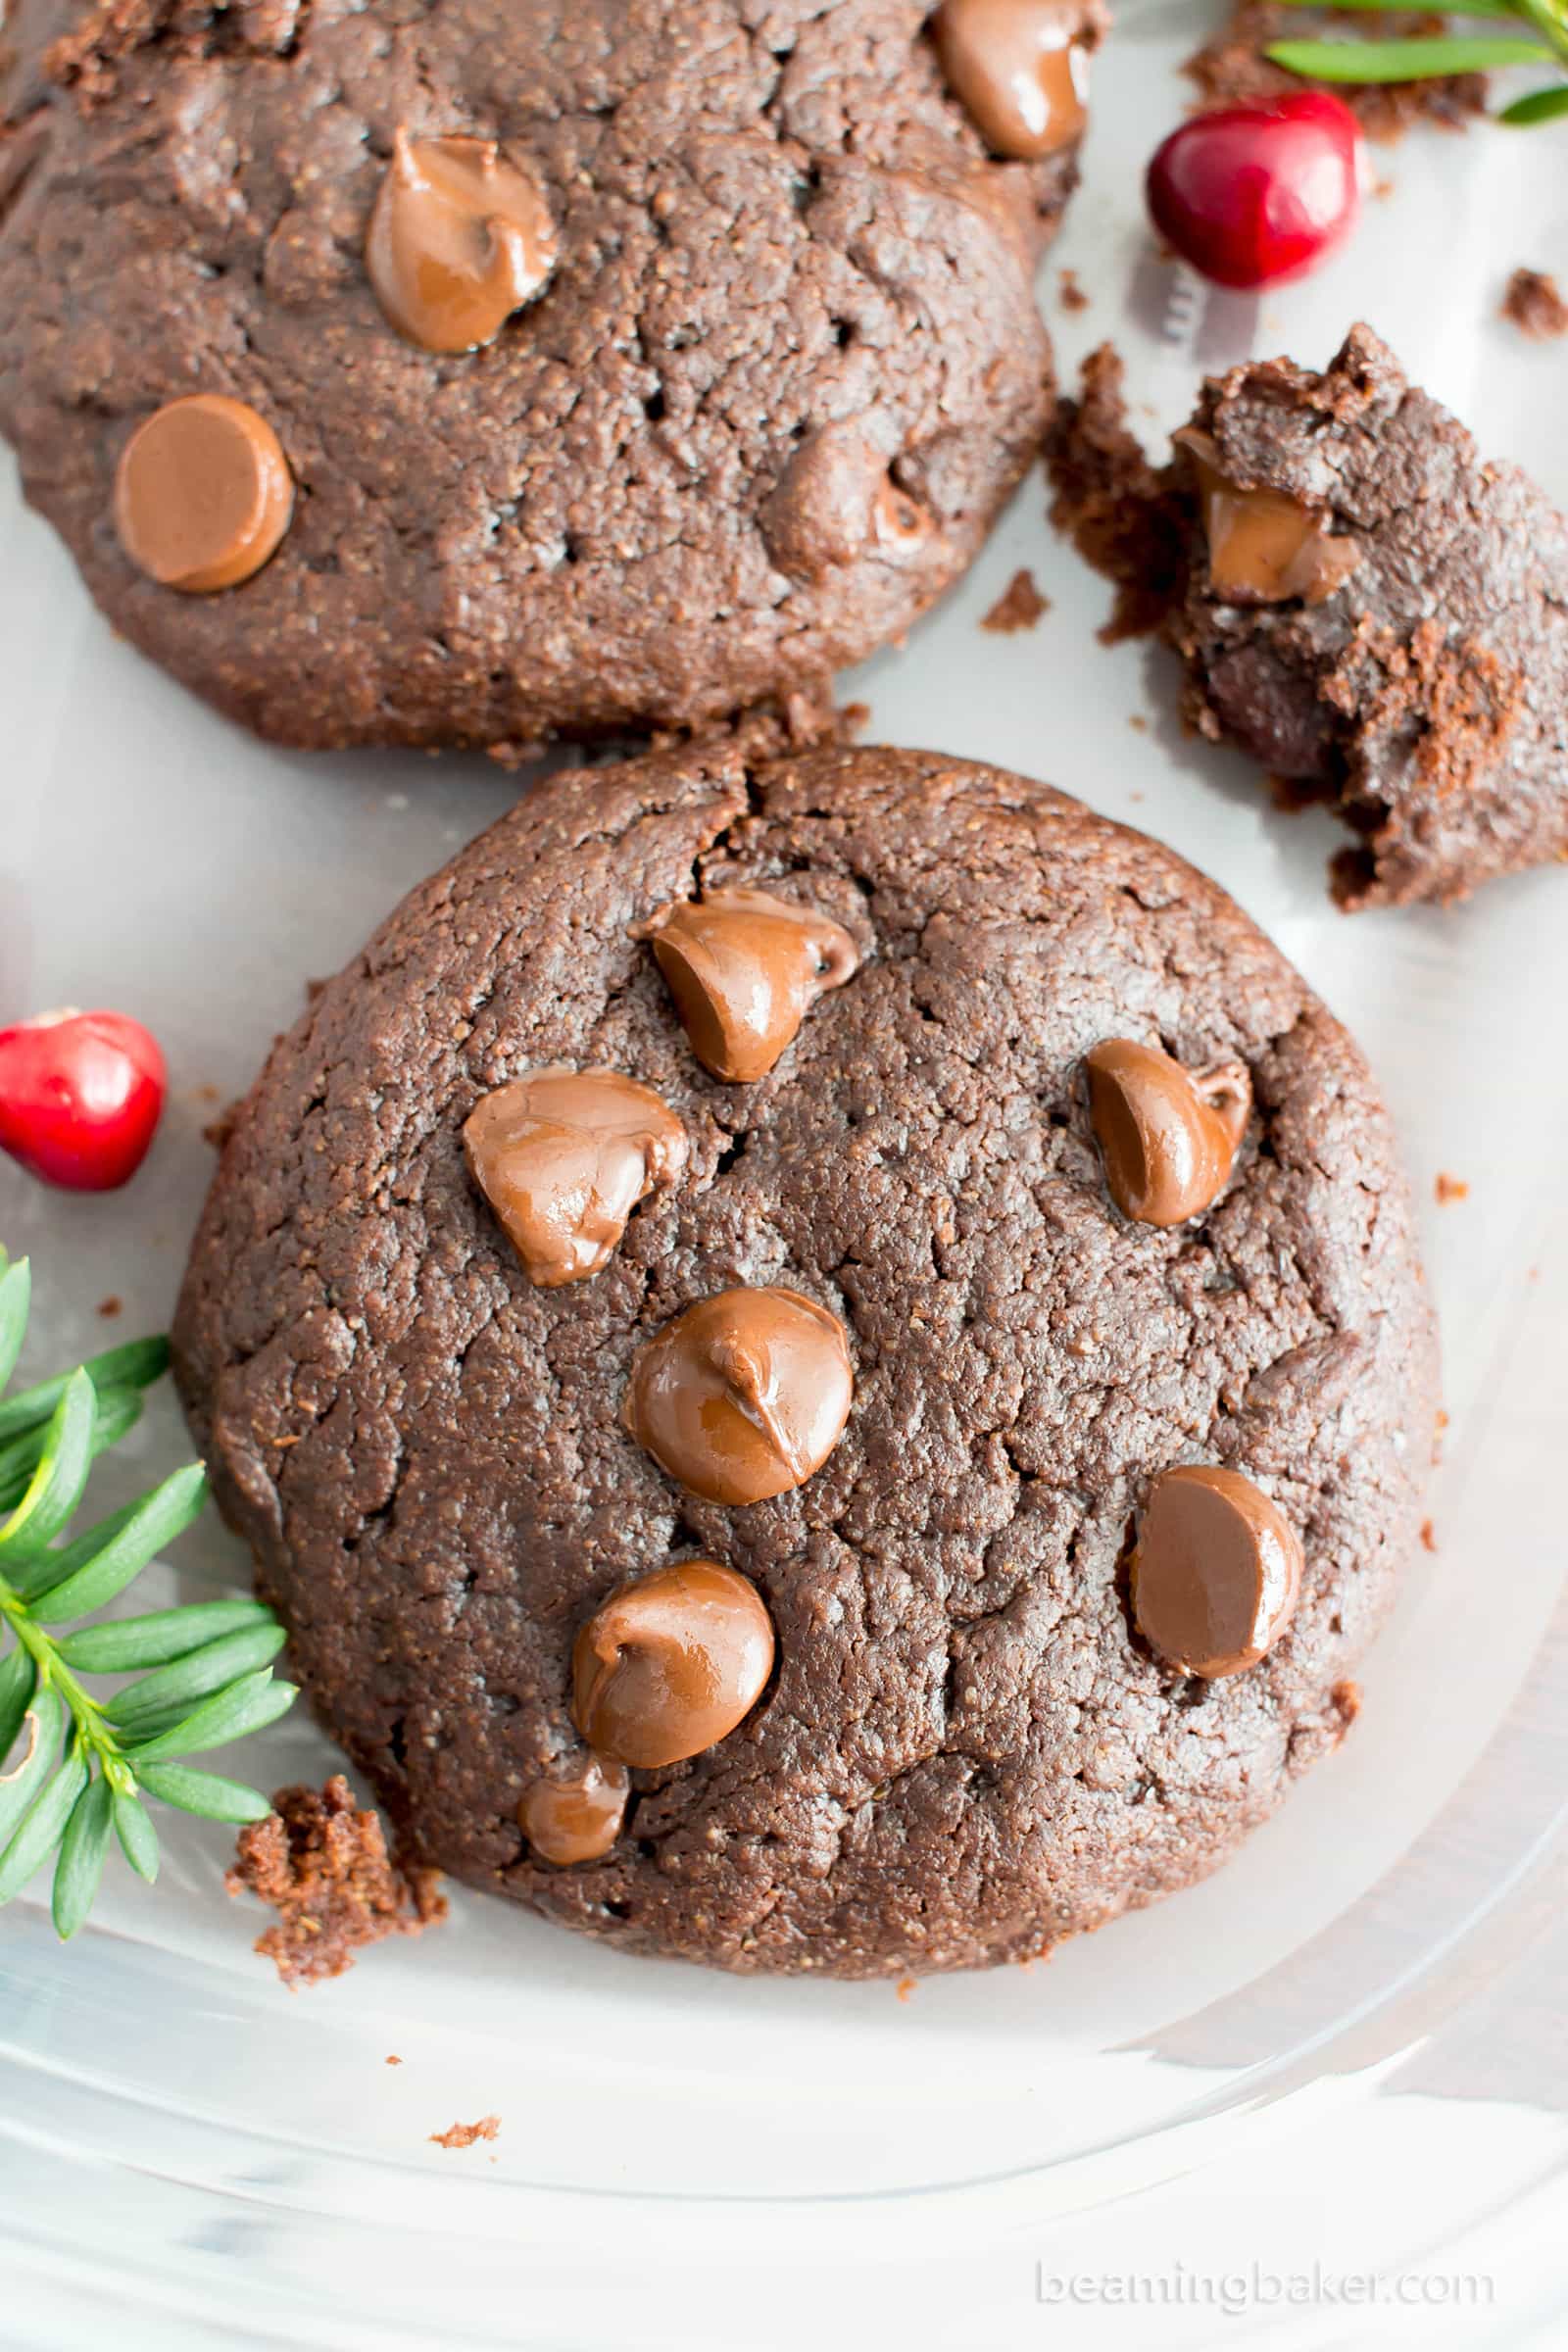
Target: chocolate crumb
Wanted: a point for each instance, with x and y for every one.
(1123, 515)
(110, 1306)
(463, 2135)
(1232, 70)
(1018, 606)
(1073, 297)
(325, 1869)
(1449, 1189)
(1429, 1539)
(1535, 306)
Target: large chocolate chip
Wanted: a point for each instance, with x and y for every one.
(1168, 1134)
(1021, 70)
(745, 968)
(744, 1396)
(1215, 1571)
(577, 1820)
(670, 1663)
(564, 1156)
(202, 494)
(1264, 548)
(458, 239)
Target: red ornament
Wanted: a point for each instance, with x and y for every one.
(81, 1098)
(1253, 194)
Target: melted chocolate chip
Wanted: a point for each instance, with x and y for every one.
(1264, 548)
(744, 1396)
(1168, 1134)
(671, 1664)
(202, 494)
(1216, 1572)
(564, 1156)
(577, 1820)
(458, 239)
(1021, 70)
(745, 968)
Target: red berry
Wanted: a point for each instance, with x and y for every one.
(81, 1098)
(1253, 194)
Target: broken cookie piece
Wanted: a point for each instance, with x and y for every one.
(325, 1869)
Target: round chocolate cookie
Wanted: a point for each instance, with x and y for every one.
(628, 362)
(883, 1514)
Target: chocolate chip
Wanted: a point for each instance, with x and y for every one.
(1020, 68)
(202, 494)
(745, 968)
(1215, 1571)
(564, 1156)
(671, 1664)
(1168, 1134)
(744, 1396)
(1264, 548)
(458, 239)
(577, 1820)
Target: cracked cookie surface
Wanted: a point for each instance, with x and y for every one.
(965, 1753)
(785, 371)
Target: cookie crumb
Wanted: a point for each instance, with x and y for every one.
(110, 1306)
(325, 1869)
(1073, 297)
(1429, 1538)
(1018, 606)
(1124, 519)
(1231, 68)
(394, 2062)
(463, 2135)
(1535, 306)
(907, 1987)
(1347, 1701)
(1138, 723)
(1449, 1189)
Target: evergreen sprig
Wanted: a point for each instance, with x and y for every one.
(76, 1769)
(1420, 57)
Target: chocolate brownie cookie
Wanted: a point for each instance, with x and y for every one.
(1379, 615)
(405, 374)
(883, 1511)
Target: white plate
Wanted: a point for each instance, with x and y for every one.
(251, 2166)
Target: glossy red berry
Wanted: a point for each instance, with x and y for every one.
(81, 1098)
(1253, 194)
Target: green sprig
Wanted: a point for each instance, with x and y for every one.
(74, 1769)
(1426, 57)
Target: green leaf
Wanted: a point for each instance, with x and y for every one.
(55, 1488)
(43, 1826)
(41, 1737)
(216, 1668)
(119, 1410)
(83, 1850)
(46, 1569)
(1404, 61)
(19, 1679)
(1384, 8)
(132, 1643)
(138, 1839)
(1540, 107)
(246, 1706)
(150, 1525)
(16, 1295)
(205, 1793)
(134, 1365)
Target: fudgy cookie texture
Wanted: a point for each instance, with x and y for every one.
(965, 1751)
(783, 371)
(1426, 693)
